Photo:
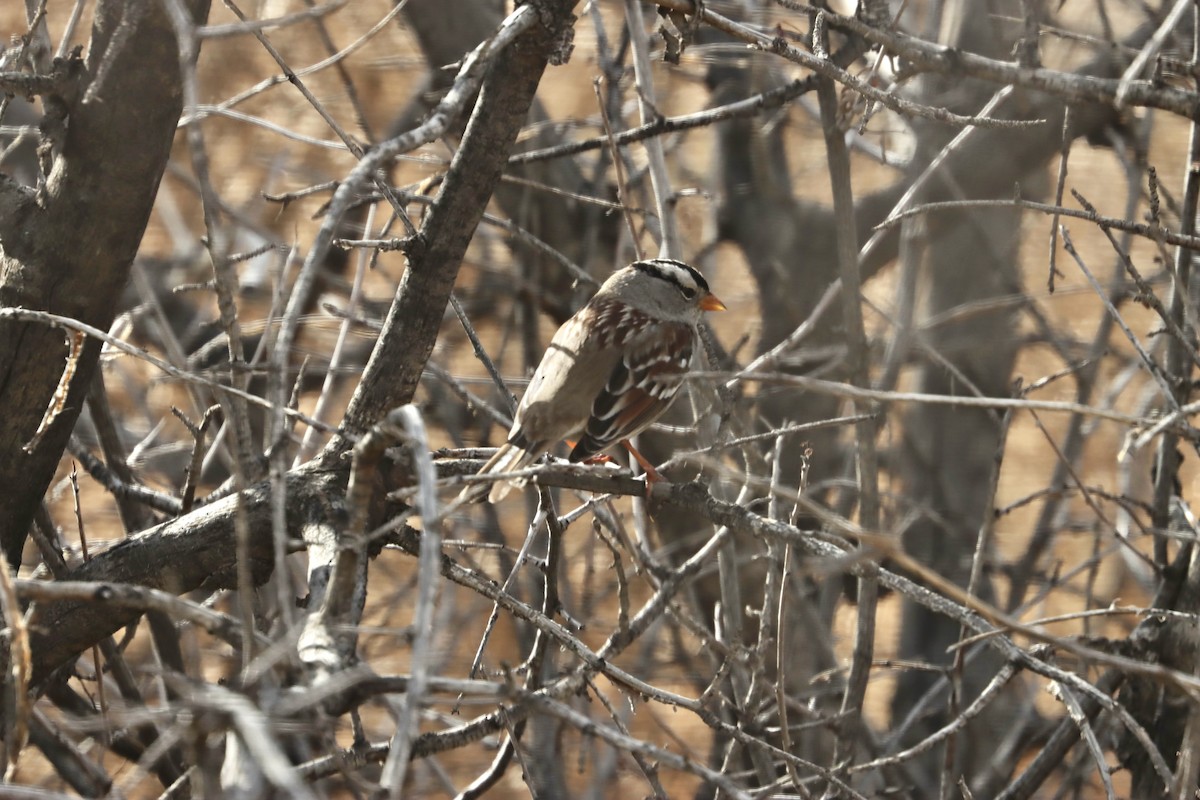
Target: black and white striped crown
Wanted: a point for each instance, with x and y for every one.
(685, 277)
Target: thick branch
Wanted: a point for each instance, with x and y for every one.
(70, 252)
(415, 317)
(195, 551)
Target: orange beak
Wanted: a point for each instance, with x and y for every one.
(711, 303)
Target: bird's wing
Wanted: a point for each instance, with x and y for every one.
(640, 387)
(558, 401)
(574, 369)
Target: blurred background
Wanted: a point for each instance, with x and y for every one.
(1055, 510)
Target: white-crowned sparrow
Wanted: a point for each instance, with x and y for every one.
(610, 370)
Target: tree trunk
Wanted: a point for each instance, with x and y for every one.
(67, 248)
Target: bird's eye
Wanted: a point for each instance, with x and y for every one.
(689, 293)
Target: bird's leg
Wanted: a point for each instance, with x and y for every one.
(652, 476)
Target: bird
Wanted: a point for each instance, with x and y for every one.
(609, 371)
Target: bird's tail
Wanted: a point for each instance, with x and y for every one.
(508, 458)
